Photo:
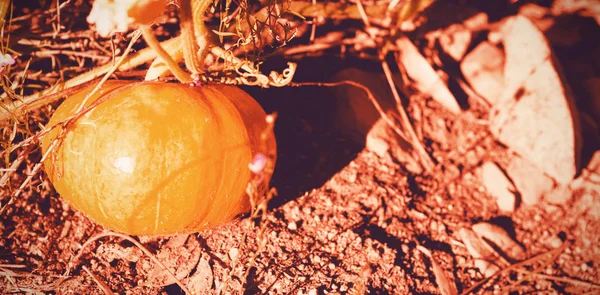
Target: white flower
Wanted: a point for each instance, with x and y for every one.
(258, 163)
(6, 60)
(117, 15)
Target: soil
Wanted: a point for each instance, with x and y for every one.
(345, 220)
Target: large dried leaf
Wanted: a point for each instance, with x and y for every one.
(535, 115)
(426, 79)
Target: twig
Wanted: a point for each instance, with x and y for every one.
(423, 155)
(137, 244)
(363, 13)
(54, 143)
(561, 279)
(313, 29)
(49, 53)
(515, 266)
(445, 285)
(527, 275)
(33, 172)
(100, 283)
(136, 35)
(34, 101)
(230, 58)
(336, 10)
(370, 96)
(426, 161)
(13, 168)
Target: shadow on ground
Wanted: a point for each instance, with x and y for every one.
(310, 149)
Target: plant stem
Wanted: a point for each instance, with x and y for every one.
(180, 74)
(199, 8)
(190, 44)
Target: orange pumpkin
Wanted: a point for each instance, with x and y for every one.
(158, 158)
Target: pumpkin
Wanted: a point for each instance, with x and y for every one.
(158, 158)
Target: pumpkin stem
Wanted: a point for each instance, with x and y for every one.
(191, 47)
(199, 8)
(196, 37)
(180, 74)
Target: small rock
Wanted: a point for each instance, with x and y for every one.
(405, 249)
(455, 41)
(486, 268)
(292, 226)
(456, 38)
(537, 14)
(234, 254)
(312, 292)
(499, 186)
(554, 242)
(476, 22)
(483, 70)
(331, 235)
(433, 226)
(472, 273)
(352, 177)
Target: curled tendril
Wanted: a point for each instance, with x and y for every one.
(255, 78)
(280, 80)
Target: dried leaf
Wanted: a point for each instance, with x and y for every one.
(202, 280)
(499, 186)
(499, 237)
(180, 255)
(484, 255)
(536, 115)
(225, 34)
(446, 286)
(426, 79)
